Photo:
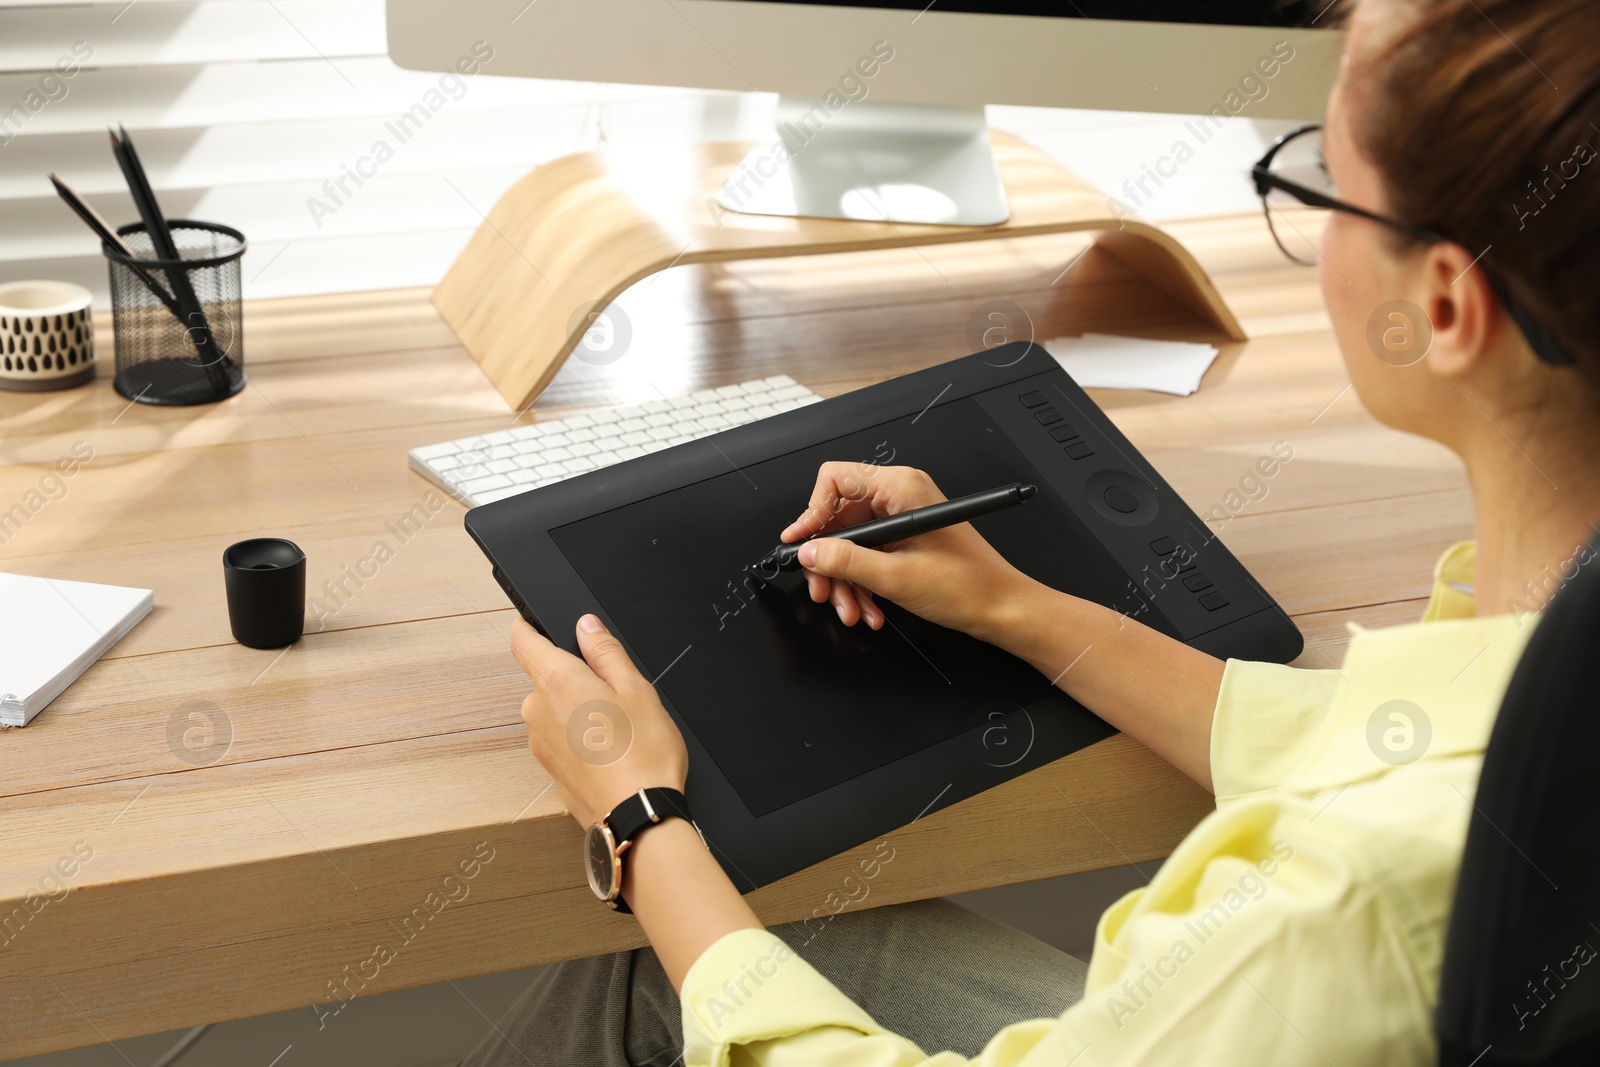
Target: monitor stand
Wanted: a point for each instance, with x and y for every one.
(571, 235)
(872, 160)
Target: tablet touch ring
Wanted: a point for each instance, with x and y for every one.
(1126, 499)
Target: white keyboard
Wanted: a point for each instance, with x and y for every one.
(493, 466)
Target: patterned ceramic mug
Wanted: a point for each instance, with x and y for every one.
(46, 336)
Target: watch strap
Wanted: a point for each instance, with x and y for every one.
(646, 808)
(643, 809)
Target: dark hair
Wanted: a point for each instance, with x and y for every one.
(1483, 116)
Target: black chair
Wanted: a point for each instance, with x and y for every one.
(1520, 984)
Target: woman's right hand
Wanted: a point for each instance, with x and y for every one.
(952, 576)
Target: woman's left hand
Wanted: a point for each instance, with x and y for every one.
(595, 723)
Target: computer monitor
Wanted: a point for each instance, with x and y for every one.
(881, 104)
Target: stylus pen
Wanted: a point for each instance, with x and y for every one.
(907, 523)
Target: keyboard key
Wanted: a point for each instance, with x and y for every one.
(682, 439)
(1047, 416)
(657, 406)
(582, 433)
(1033, 399)
(467, 474)
(737, 403)
(632, 424)
(608, 444)
(730, 390)
(549, 470)
(583, 448)
(478, 485)
(444, 463)
(604, 459)
(761, 411)
(715, 422)
(502, 466)
(655, 446)
(630, 452)
(431, 452)
(490, 496)
(578, 466)
(1064, 432)
(779, 379)
(523, 477)
(602, 417)
(556, 455)
(555, 440)
(1213, 600)
(1081, 450)
(659, 418)
(791, 392)
(662, 433)
(637, 437)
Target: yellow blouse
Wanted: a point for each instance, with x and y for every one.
(1301, 922)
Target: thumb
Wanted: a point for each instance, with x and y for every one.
(838, 558)
(605, 654)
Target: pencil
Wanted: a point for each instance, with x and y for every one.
(104, 231)
(192, 314)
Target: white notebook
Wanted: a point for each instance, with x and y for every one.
(51, 630)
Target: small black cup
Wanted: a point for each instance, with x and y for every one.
(266, 579)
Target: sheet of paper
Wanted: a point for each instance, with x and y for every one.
(1106, 362)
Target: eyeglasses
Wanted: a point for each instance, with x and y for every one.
(1296, 191)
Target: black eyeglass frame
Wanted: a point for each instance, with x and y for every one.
(1546, 347)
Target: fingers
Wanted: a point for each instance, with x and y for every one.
(605, 654)
(839, 487)
(535, 653)
(837, 558)
(848, 493)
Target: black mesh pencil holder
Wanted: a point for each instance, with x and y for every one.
(179, 334)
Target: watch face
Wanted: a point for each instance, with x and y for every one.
(601, 861)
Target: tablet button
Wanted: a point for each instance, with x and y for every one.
(1048, 416)
(1213, 600)
(1164, 546)
(1032, 400)
(1080, 450)
(1064, 432)
(1196, 582)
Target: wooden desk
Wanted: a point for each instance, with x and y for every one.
(255, 872)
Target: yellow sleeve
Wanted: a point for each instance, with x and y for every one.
(1258, 942)
(1266, 722)
(751, 999)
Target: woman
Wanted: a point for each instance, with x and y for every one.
(1302, 922)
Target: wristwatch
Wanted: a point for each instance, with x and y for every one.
(617, 830)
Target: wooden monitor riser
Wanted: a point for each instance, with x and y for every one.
(575, 233)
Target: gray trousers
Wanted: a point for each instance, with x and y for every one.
(943, 976)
